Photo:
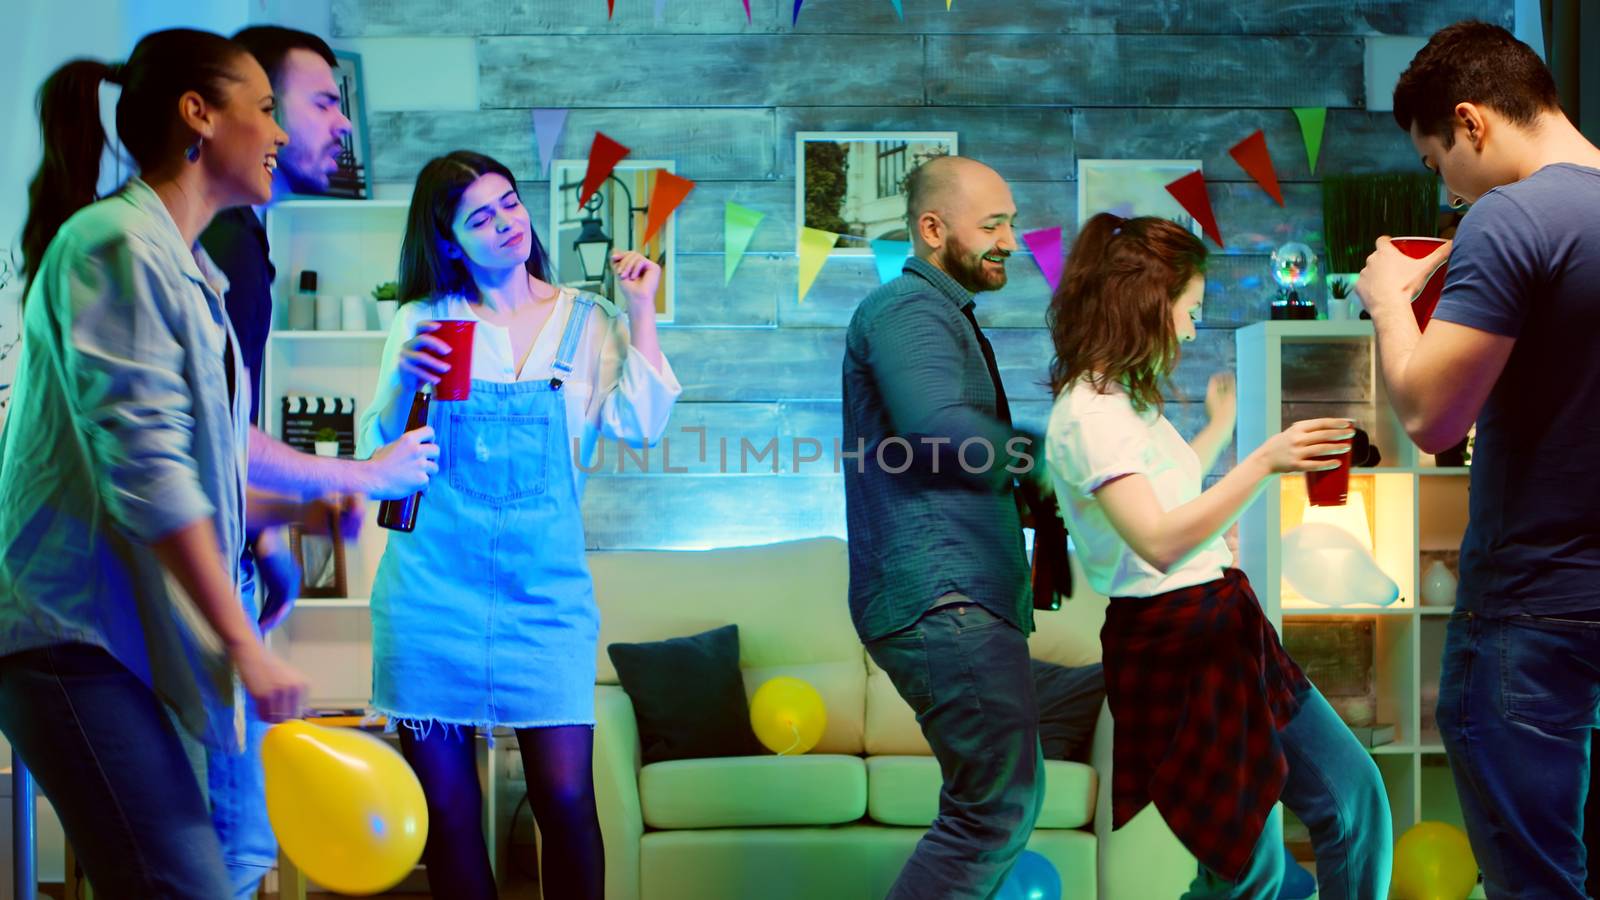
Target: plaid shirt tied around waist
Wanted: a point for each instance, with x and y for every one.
(1199, 689)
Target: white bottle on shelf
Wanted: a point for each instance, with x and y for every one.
(353, 312)
(303, 303)
(328, 318)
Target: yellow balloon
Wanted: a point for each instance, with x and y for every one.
(1433, 861)
(788, 715)
(346, 807)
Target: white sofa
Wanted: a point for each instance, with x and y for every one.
(838, 823)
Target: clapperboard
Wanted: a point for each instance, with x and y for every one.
(305, 414)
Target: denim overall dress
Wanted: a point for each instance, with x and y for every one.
(484, 615)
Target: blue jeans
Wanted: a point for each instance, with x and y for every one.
(236, 788)
(1335, 789)
(237, 791)
(106, 755)
(966, 674)
(1518, 700)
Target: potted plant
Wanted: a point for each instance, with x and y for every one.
(1340, 304)
(387, 296)
(326, 441)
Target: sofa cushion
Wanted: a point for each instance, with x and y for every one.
(904, 790)
(688, 695)
(754, 791)
(849, 862)
(1069, 703)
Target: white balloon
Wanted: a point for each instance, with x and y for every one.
(1328, 566)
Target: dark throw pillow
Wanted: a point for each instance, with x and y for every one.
(1069, 705)
(688, 695)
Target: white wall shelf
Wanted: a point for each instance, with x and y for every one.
(1413, 507)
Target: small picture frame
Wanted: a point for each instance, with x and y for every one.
(617, 213)
(321, 561)
(1135, 187)
(852, 183)
(353, 179)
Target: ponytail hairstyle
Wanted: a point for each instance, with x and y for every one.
(426, 270)
(163, 67)
(1111, 316)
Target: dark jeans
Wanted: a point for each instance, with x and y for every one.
(1518, 700)
(106, 755)
(967, 676)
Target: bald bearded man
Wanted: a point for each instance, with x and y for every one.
(939, 587)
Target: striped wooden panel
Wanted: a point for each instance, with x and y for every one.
(1355, 141)
(706, 144)
(372, 18)
(700, 70)
(1144, 70)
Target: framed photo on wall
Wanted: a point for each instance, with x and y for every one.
(353, 179)
(1138, 186)
(852, 183)
(581, 238)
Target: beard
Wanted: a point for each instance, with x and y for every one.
(969, 270)
(304, 174)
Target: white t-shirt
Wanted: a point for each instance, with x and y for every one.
(1096, 438)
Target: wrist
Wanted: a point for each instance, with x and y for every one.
(1257, 464)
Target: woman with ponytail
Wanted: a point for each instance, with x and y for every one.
(122, 465)
(1214, 722)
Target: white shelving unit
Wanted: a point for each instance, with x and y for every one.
(353, 246)
(1411, 506)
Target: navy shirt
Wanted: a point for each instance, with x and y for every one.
(237, 245)
(915, 379)
(1526, 265)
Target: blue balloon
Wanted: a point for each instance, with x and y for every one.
(1032, 878)
(1298, 884)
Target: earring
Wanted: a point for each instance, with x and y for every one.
(193, 153)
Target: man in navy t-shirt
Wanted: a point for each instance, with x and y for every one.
(1513, 346)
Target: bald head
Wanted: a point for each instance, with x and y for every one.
(960, 214)
(942, 183)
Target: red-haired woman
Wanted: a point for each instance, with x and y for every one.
(1214, 722)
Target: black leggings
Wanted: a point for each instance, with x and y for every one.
(559, 763)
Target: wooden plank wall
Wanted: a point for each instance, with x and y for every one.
(1031, 86)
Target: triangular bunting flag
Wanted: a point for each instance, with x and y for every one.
(899, 9)
(1190, 192)
(797, 12)
(1312, 121)
(667, 195)
(738, 227)
(604, 154)
(1045, 245)
(747, 11)
(611, 7)
(815, 245)
(547, 127)
(891, 258)
(661, 10)
(1252, 156)
(946, 5)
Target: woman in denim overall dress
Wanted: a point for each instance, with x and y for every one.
(484, 615)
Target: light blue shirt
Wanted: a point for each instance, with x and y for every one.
(122, 429)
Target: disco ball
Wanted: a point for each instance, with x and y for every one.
(1294, 265)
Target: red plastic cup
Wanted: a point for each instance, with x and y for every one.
(1330, 487)
(455, 384)
(1417, 248)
